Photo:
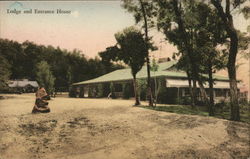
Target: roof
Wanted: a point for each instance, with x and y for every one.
(184, 83)
(125, 74)
(22, 83)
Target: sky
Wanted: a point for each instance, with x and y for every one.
(90, 27)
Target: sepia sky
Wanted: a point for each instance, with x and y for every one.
(90, 27)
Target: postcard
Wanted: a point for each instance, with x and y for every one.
(124, 79)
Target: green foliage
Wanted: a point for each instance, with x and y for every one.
(244, 39)
(81, 92)
(144, 11)
(4, 73)
(66, 66)
(168, 95)
(180, 109)
(92, 92)
(154, 66)
(100, 90)
(132, 48)
(246, 11)
(222, 110)
(142, 88)
(135, 8)
(184, 101)
(126, 90)
(203, 30)
(112, 90)
(72, 92)
(45, 77)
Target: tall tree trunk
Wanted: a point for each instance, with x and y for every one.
(189, 50)
(195, 91)
(235, 109)
(211, 89)
(190, 89)
(203, 93)
(155, 92)
(233, 50)
(149, 91)
(137, 101)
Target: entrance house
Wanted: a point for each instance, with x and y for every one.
(175, 83)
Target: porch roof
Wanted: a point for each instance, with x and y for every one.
(184, 83)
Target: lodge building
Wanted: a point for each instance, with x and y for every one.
(175, 83)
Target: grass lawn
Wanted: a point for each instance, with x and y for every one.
(202, 111)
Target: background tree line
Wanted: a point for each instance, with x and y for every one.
(23, 60)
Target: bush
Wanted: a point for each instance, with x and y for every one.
(112, 90)
(100, 90)
(92, 91)
(184, 100)
(167, 96)
(126, 90)
(81, 94)
(142, 88)
(72, 92)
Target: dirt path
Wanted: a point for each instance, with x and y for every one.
(104, 129)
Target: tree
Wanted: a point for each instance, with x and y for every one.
(67, 66)
(44, 76)
(4, 72)
(154, 67)
(196, 30)
(143, 11)
(184, 64)
(132, 51)
(208, 33)
(171, 19)
(228, 23)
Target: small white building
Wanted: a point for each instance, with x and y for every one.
(23, 86)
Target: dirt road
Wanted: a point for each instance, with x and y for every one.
(113, 129)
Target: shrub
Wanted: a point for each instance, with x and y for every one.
(72, 92)
(112, 90)
(142, 88)
(167, 95)
(81, 94)
(100, 90)
(184, 100)
(126, 90)
(92, 91)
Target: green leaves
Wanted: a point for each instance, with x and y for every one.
(203, 32)
(44, 76)
(134, 7)
(154, 66)
(132, 48)
(4, 72)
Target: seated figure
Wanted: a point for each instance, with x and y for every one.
(41, 104)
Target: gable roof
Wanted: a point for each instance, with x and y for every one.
(125, 74)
